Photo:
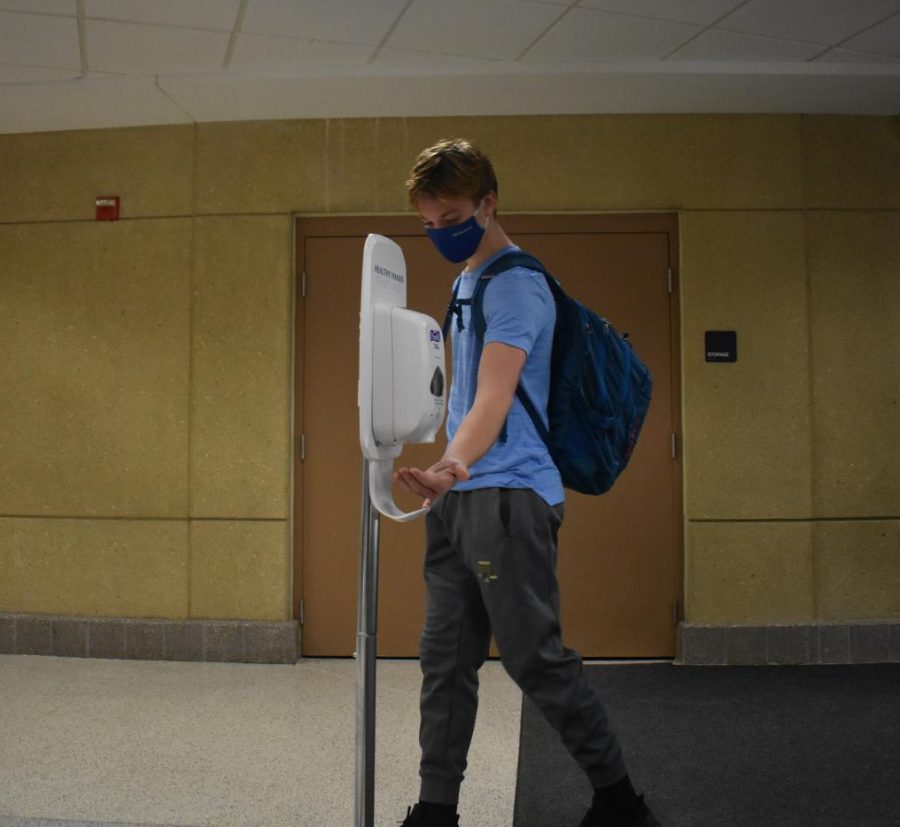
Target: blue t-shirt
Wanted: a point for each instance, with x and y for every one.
(519, 311)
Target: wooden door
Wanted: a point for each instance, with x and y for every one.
(620, 554)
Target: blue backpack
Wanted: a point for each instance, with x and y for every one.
(599, 389)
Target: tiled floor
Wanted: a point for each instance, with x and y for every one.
(166, 743)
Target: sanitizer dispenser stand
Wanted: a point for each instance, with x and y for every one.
(401, 397)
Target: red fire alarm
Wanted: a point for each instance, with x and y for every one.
(107, 208)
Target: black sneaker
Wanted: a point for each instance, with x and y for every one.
(415, 818)
(642, 818)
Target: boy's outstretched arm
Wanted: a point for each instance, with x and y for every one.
(498, 376)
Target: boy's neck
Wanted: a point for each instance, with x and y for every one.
(495, 240)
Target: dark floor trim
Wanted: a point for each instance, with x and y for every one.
(232, 641)
(870, 641)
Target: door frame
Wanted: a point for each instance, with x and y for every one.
(337, 226)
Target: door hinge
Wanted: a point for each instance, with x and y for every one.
(676, 612)
(670, 279)
(303, 285)
(673, 444)
(302, 447)
(301, 611)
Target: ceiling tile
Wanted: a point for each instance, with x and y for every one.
(849, 56)
(64, 7)
(715, 45)
(39, 40)
(476, 28)
(883, 38)
(219, 15)
(260, 50)
(349, 21)
(824, 21)
(142, 49)
(585, 34)
(703, 12)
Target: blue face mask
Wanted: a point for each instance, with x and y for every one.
(459, 242)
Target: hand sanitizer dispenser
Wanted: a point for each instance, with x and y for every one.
(401, 399)
(401, 371)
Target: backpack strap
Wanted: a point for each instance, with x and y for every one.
(507, 262)
(454, 308)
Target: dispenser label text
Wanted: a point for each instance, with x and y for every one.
(388, 274)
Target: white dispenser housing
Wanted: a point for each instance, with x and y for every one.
(401, 393)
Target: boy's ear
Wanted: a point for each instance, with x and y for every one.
(490, 202)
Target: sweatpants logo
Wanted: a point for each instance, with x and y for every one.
(486, 571)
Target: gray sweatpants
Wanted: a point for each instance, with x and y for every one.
(490, 566)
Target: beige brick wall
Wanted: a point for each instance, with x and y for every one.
(146, 364)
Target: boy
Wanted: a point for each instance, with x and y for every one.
(496, 506)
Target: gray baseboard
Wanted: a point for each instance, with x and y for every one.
(871, 641)
(232, 641)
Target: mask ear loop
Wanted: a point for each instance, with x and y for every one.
(487, 218)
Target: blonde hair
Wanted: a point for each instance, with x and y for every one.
(451, 168)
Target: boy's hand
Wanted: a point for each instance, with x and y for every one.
(434, 481)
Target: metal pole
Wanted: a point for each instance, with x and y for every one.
(366, 631)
